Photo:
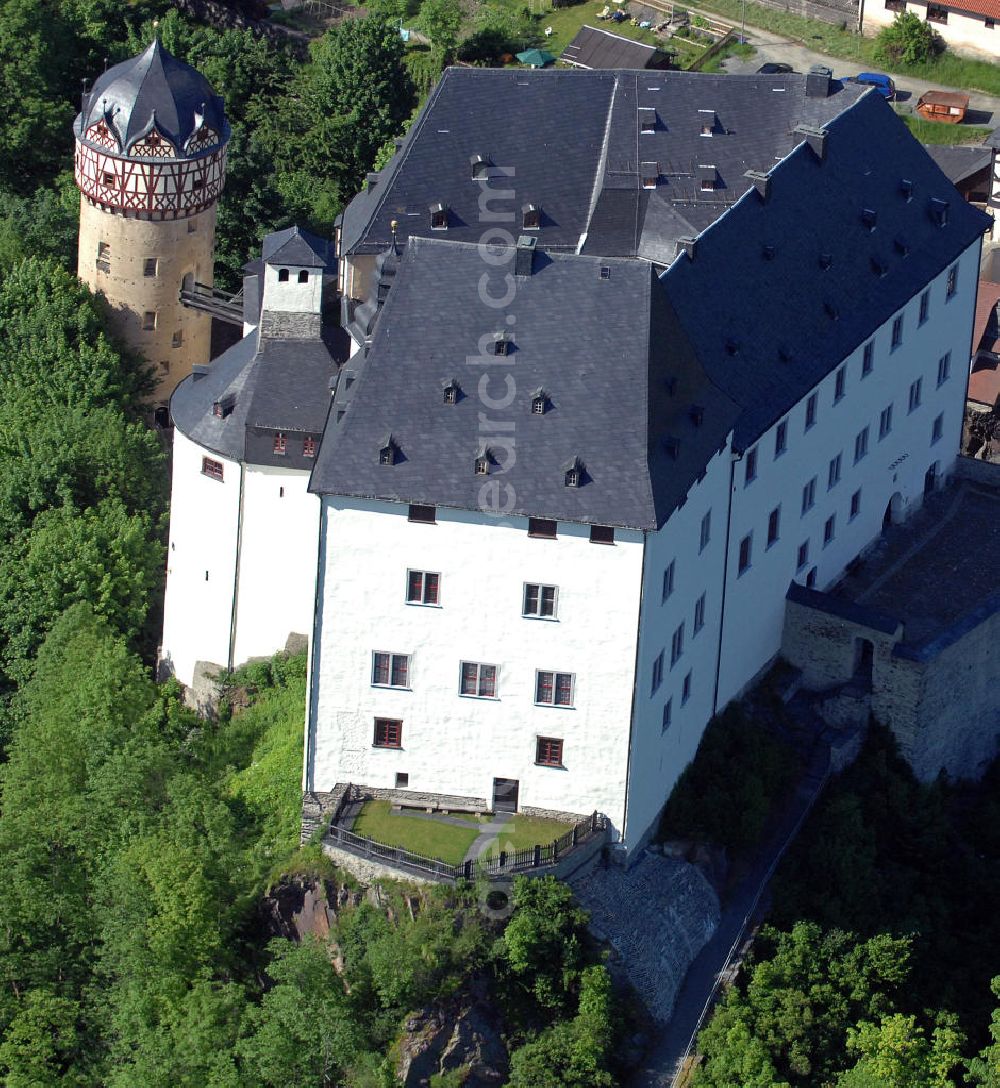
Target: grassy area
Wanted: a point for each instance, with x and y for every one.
(428, 837)
(565, 23)
(524, 831)
(934, 132)
(731, 49)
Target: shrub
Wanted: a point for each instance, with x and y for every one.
(907, 40)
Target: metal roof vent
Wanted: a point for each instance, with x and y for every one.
(439, 216)
(484, 458)
(480, 167)
(760, 181)
(524, 255)
(501, 343)
(531, 217)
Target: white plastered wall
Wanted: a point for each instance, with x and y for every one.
(293, 297)
(964, 32)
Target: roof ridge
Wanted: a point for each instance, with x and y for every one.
(601, 163)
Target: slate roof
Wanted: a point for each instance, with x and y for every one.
(594, 47)
(294, 246)
(984, 379)
(959, 163)
(155, 83)
(606, 350)
(572, 140)
(756, 290)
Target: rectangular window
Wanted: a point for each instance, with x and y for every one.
(150, 266)
(811, 411)
(104, 251)
(868, 359)
(861, 445)
(149, 320)
(602, 534)
(952, 284)
(422, 587)
(809, 496)
(280, 443)
(308, 446)
(676, 645)
(750, 467)
(781, 438)
(211, 468)
(803, 556)
(936, 14)
(549, 752)
(915, 394)
(833, 474)
(402, 780)
(479, 680)
(828, 529)
(706, 531)
(657, 676)
(885, 422)
(925, 306)
(944, 368)
(539, 601)
(668, 581)
(839, 384)
(699, 615)
(686, 689)
(773, 525)
(388, 733)
(427, 515)
(554, 688)
(856, 504)
(897, 332)
(542, 527)
(177, 339)
(938, 429)
(746, 550)
(668, 713)
(390, 670)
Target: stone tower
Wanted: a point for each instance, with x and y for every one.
(150, 164)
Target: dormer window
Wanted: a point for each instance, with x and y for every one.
(387, 452)
(825, 262)
(223, 408)
(280, 443)
(879, 267)
(708, 122)
(482, 464)
(672, 447)
(869, 218)
(451, 392)
(531, 218)
(768, 252)
(303, 276)
(831, 311)
(649, 174)
(480, 167)
(439, 217)
(902, 246)
(647, 119)
(283, 274)
(539, 402)
(906, 189)
(708, 176)
(501, 345)
(573, 473)
(939, 211)
(697, 414)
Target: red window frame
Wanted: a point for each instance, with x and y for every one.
(388, 733)
(212, 469)
(478, 680)
(390, 670)
(553, 688)
(549, 752)
(308, 446)
(422, 587)
(280, 442)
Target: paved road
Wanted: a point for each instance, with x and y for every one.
(984, 109)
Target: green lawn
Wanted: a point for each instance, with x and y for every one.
(525, 831)
(565, 23)
(434, 840)
(934, 132)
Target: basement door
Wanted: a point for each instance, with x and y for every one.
(505, 794)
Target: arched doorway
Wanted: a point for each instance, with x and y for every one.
(893, 511)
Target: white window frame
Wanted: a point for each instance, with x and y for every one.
(555, 688)
(538, 614)
(392, 655)
(423, 574)
(478, 666)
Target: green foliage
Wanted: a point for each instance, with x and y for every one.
(441, 20)
(726, 792)
(424, 66)
(897, 1053)
(908, 39)
(984, 1069)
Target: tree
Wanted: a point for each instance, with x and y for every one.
(441, 20)
(908, 39)
(896, 1053)
(984, 1069)
(40, 1046)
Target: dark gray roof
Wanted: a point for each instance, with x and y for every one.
(959, 163)
(296, 247)
(618, 371)
(756, 291)
(572, 140)
(157, 85)
(594, 47)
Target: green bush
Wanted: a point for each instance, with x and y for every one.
(907, 40)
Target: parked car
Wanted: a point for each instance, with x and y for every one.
(883, 84)
(774, 69)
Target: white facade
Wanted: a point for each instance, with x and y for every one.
(301, 292)
(964, 30)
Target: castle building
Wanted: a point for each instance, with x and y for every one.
(150, 163)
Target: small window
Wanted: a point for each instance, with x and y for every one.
(572, 476)
(539, 601)
(104, 251)
(809, 496)
(451, 391)
(885, 422)
(925, 306)
(869, 218)
(686, 689)
(868, 359)
(833, 473)
(478, 680)
(706, 531)
(303, 276)
(656, 679)
(828, 529)
(390, 670)
(773, 526)
(602, 534)
(803, 555)
(668, 580)
(422, 587)
(281, 492)
(897, 332)
(308, 446)
(149, 320)
(856, 504)
(938, 429)
(108, 179)
(676, 645)
(915, 388)
(746, 552)
(944, 368)
(177, 340)
(542, 527)
(539, 402)
(280, 443)
(482, 466)
(647, 119)
(388, 733)
(283, 275)
(211, 468)
(554, 688)
(402, 780)
(667, 715)
(425, 514)
(811, 411)
(197, 184)
(781, 438)
(936, 14)
(192, 226)
(811, 579)
(501, 345)
(439, 217)
(387, 454)
(650, 174)
(699, 615)
(750, 467)
(839, 384)
(150, 266)
(549, 752)
(989, 24)
(861, 445)
(531, 218)
(952, 284)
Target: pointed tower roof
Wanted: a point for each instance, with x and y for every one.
(154, 88)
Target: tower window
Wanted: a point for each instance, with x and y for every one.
(108, 179)
(177, 339)
(280, 442)
(104, 251)
(282, 275)
(150, 266)
(211, 468)
(197, 183)
(303, 276)
(149, 320)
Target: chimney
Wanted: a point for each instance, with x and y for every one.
(760, 181)
(818, 81)
(688, 246)
(371, 180)
(524, 255)
(815, 138)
